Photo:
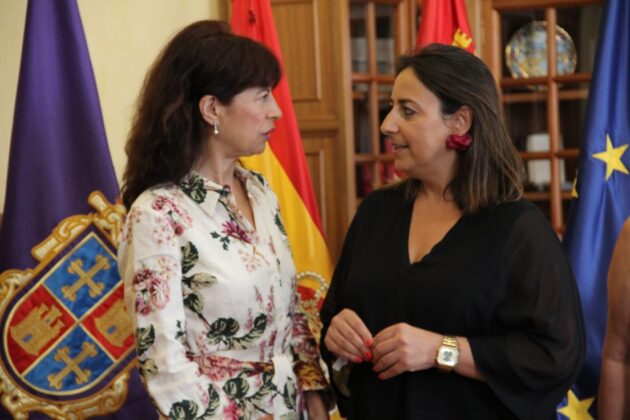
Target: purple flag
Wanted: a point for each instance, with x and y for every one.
(67, 339)
(59, 151)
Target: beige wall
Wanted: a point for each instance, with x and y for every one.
(123, 37)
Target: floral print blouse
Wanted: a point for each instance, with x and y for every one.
(218, 329)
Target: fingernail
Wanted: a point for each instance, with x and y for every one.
(368, 342)
(381, 376)
(368, 356)
(358, 360)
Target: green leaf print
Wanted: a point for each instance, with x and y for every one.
(144, 339)
(251, 405)
(259, 177)
(278, 222)
(190, 257)
(260, 323)
(194, 189)
(183, 410)
(213, 404)
(180, 334)
(290, 394)
(222, 330)
(194, 302)
(201, 280)
(237, 387)
(148, 367)
(225, 240)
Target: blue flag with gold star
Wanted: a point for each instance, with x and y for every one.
(602, 196)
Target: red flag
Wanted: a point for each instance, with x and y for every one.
(445, 22)
(253, 19)
(284, 163)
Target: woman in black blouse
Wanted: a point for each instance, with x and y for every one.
(452, 298)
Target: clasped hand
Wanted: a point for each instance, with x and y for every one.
(395, 349)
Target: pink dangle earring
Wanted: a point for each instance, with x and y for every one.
(458, 142)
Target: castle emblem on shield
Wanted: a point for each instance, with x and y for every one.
(67, 342)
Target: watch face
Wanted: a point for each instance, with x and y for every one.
(447, 356)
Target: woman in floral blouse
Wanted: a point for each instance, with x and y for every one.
(209, 277)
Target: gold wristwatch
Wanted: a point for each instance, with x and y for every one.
(447, 354)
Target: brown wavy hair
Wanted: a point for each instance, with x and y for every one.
(168, 132)
(490, 172)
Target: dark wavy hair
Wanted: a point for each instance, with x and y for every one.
(168, 131)
(490, 172)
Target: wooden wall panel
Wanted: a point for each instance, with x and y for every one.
(311, 34)
(303, 64)
(320, 159)
(306, 34)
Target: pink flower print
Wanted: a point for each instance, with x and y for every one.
(249, 324)
(218, 368)
(232, 229)
(259, 298)
(159, 203)
(272, 342)
(141, 277)
(142, 306)
(273, 248)
(151, 291)
(177, 227)
(203, 393)
(270, 301)
(250, 260)
(160, 292)
(176, 218)
(232, 411)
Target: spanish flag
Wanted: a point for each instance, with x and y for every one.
(445, 22)
(284, 164)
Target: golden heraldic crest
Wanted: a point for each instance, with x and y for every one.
(67, 341)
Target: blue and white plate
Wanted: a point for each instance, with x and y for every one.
(526, 52)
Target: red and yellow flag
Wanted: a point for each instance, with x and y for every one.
(284, 162)
(445, 22)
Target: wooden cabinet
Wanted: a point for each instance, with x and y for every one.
(544, 105)
(339, 57)
(314, 42)
(380, 30)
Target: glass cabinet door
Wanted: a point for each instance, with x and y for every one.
(380, 30)
(544, 104)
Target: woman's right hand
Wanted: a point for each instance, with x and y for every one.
(348, 337)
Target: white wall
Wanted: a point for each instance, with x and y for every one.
(123, 37)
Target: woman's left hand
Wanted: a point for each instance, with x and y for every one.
(403, 348)
(315, 406)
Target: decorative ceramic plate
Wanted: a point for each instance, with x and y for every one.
(526, 52)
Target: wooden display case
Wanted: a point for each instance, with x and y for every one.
(380, 30)
(545, 112)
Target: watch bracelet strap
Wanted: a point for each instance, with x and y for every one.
(449, 340)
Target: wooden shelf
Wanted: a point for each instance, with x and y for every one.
(545, 195)
(563, 95)
(552, 104)
(560, 154)
(507, 82)
(367, 77)
(379, 34)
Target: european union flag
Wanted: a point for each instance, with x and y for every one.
(602, 194)
(61, 358)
